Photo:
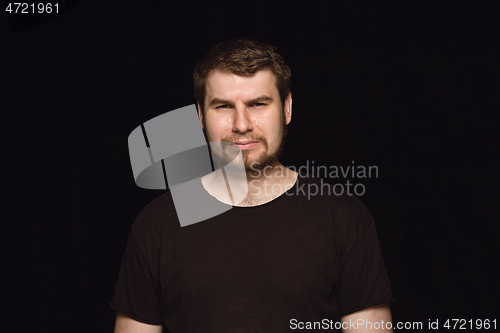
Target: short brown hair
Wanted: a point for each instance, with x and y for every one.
(244, 57)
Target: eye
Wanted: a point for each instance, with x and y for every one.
(222, 106)
(258, 104)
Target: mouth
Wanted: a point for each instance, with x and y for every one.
(245, 145)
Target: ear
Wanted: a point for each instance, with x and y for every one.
(200, 114)
(288, 109)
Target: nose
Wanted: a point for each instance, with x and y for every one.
(242, 121)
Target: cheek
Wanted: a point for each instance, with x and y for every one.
(272, 130)
(217, 128)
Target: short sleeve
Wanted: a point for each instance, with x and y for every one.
(136, 294)
(364, 281)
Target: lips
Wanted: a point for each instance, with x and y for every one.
(244, 142)
(244, 145)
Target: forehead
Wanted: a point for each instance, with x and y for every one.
(229, 86)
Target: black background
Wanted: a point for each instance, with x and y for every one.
(411, 87)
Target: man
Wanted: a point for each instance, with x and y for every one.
(278, 260)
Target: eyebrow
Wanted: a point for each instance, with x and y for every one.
(260, 99)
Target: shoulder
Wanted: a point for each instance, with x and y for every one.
(156, 218)
(342, 206)
(346, 213)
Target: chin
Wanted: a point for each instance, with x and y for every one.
(262, 163)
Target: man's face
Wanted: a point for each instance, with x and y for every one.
(246, 110)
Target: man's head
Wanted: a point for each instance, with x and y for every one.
(243, 92)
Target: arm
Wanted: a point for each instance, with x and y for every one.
(374, 315)
(126, 324)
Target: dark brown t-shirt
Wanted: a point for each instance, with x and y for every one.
(299, 258)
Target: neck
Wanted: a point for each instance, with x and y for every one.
(258, 187)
